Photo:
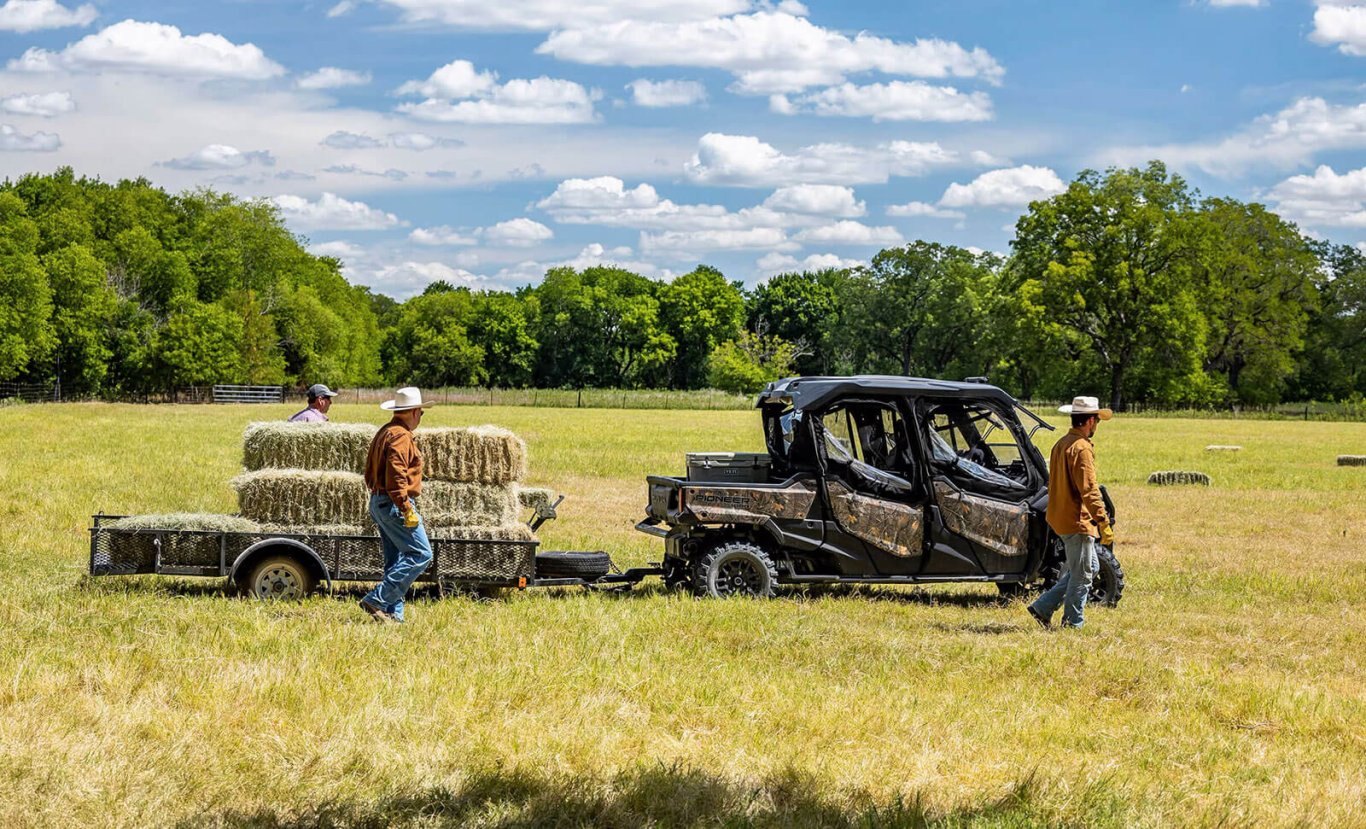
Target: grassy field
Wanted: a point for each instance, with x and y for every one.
(1227, 689)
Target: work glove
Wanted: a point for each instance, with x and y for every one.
(1107, 535)
(409, 517)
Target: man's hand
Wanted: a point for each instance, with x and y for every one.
(1107, 535)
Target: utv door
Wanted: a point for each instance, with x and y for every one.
(979, 517)
(868, 489)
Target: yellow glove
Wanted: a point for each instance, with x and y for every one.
(409, 517)
(1107, 535)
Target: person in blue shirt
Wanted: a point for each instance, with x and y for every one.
(319, 401)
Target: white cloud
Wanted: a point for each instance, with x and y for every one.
(458, 93)
(1011, 187)
(407, 279)
(744, 160)
(520, 232)
(11, 140)
(817, 199)
(43, 104)
(1324, 198)
(332, 212)
(392, 173)
(343, 140)
(1341, 22)
(220, 157)
(699, 241)
(1281, 141)
(134, 46)
(337, 249)
(330, 77)
(33, 15)
(417, 141)
(920, 209)
(775, 263)
(545, 15)
(894, 101)
(850, 233)
(343, 8)
(768, 52)
(647, 93)
(442, 236)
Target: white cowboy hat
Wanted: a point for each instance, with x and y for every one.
(1086, 405)
(408, 397)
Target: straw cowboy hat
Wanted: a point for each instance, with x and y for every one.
(408, 397)
(1085, 406)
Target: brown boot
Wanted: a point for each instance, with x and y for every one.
(377, 614)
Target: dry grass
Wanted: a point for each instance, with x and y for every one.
(1226, 690)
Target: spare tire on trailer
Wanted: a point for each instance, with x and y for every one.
(589, 566)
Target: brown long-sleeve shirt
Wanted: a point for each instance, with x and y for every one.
(394, 466)
(1074, 501)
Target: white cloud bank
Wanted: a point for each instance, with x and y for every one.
(546, 15)
(134, 46)
(14, 141)
(894, 101)
(43, 104)
(220, 157)
(459, 93)
(1341, 23)
(33, 15)
(658, 94)
(331, 77)
(745, 161)
(332, 212)
(1324, 198)
(1010, 187)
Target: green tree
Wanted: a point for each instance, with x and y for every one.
(804, 309)
(1112, 259)
(199, 345)
(26, 334)
(744, 365)
(430, 344)
(82, 313)
(700, 310)
(501, 325)
(1332, 365)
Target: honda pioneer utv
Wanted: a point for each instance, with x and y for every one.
(870, 480)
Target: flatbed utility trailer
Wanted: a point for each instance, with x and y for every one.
(272, 565)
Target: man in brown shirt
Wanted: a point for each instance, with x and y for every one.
(1076, 512)
(393, 474)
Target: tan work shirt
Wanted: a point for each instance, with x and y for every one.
(394, 466)
(1074, 502)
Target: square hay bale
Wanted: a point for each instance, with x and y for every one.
(194, 521)
(446, 504)
(339, 447)
(535, 497)
(1351, 460)
(1179, 478)
(506, 532)
(479, 454)
(321, 529)
(1216, 447)
(303, 497)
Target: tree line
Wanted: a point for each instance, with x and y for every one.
(1129, 285)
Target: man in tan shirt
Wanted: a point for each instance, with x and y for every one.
(393, 474)
(1076, 512)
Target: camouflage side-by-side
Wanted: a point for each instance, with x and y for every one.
(748, 505)
(1001, 527)
(891, 527)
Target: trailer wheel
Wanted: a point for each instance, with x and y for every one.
(736, 568)
(589, 566)
(280, 578)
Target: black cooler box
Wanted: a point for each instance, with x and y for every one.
(728, 467)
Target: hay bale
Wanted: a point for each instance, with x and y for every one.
(321, 529)
(1215, 447)
(479, 454)
(1351, 460)
(195, 521)
(507, 532)
(535, 497)
(338, 447)
(312, 498)
(1178, 477)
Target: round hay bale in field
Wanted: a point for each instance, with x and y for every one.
(1172, 478)
(303, 497)
(479, 454)
(337, 447)
(1351, 460)
(195, 521)
(535, 497)
(1215, 447)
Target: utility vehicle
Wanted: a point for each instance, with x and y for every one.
(870, 480)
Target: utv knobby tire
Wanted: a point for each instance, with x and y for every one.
(572, 565)
(735, 568)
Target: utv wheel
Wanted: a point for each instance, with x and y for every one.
(280, 578)
(1108, 585)
(677, 575)
(1011, 589)
(736, 568)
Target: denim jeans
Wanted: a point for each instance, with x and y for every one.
(1074, 586)
(407, 553)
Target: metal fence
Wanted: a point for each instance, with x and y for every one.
(248, 394)
(30, 392)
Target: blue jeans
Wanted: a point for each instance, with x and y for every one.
(407, 553)
(1072, 589)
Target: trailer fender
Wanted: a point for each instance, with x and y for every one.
(280, 546)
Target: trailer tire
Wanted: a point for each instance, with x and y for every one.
(280, 578)
(735, 568)
(572, 565)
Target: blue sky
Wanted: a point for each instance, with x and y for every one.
(484, 142)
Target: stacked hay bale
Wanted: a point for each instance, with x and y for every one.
(307, 477)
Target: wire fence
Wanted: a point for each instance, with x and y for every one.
(562, 398)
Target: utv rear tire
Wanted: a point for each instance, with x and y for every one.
(735, 568)
(1011, 589)
(1108, 585)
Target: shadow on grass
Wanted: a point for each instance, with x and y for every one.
(675, 797)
